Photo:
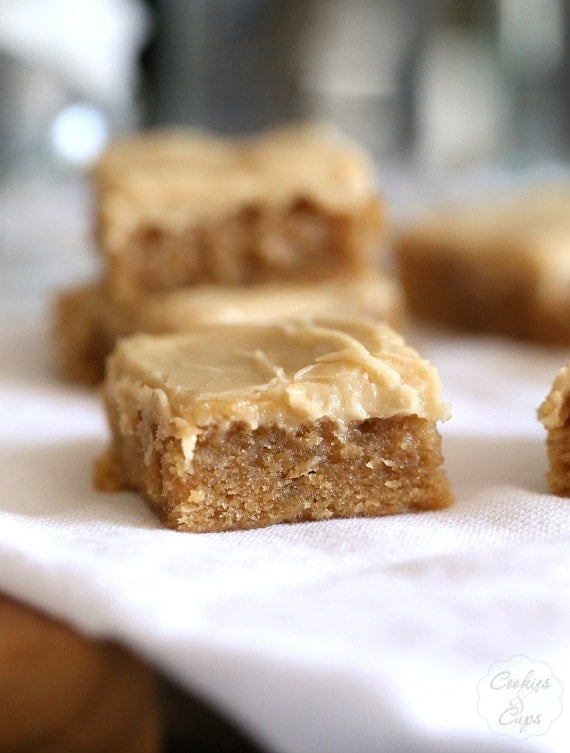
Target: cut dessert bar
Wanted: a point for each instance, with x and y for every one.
(554, 414)
(500, 268)
(250, 425)
(89, 319)
(180, 208)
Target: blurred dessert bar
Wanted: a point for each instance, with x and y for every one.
(250, 425)
(89, 319)
(178, 208)
(502, 267)
(199, 229)
(554, 414)
(65, 693)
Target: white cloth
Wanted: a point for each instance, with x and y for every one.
(91, 45)
(349, 636)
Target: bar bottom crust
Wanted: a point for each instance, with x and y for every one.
(244, 478)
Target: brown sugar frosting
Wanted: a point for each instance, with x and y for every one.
(536, 224)
(281, 375)
(175, 174)
(373, 294)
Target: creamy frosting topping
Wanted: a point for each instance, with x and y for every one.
(282, 374)
(180, 310)
(554, 411)
(173, 176)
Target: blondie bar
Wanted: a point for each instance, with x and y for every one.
(178, 208)
(250, 425)
(500, 268)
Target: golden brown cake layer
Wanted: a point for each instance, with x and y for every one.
(178, 208)
(501, 268)
(554, 413)
(248, 478)
(89, 319)
(243, 426)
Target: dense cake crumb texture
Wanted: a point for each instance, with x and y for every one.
(244, 478)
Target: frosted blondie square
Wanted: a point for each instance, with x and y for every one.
(502, 267)
(250, 425)
(178, 208)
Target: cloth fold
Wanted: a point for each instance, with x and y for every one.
(345, 635)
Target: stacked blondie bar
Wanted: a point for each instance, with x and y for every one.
(196, 229)
(264, 384)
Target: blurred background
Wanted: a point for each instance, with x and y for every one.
(433, 88)
(440, 85)
(444, 83)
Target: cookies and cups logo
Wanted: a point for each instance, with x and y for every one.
(519, 698)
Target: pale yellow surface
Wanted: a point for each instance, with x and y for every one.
(171, 177)
(550, 412)
(281, 374)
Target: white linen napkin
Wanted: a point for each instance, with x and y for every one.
(349, 636)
